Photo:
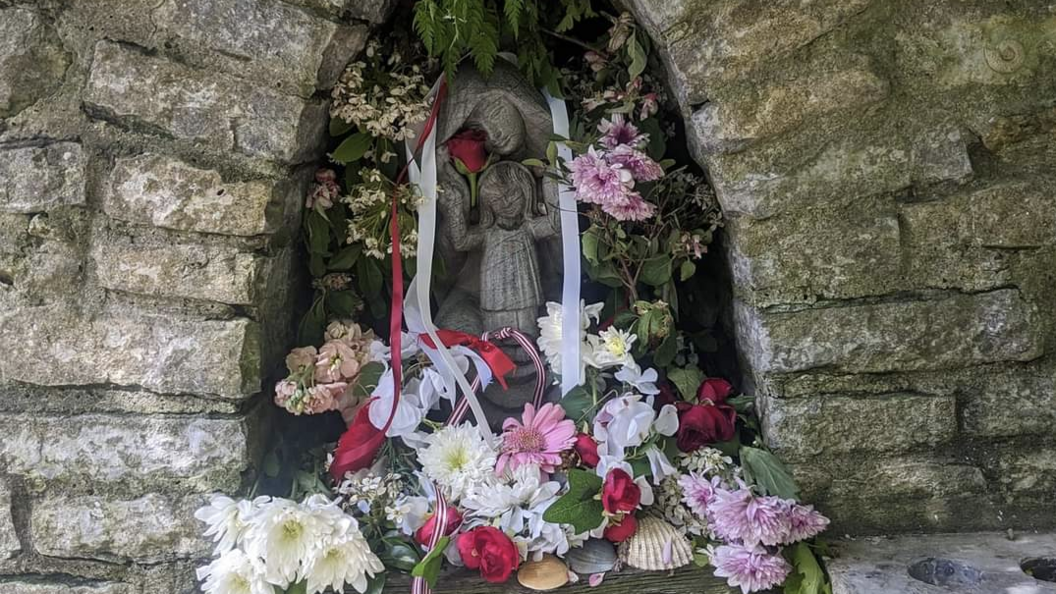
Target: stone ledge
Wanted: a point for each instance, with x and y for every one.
(17, 586)
(9, 544)
(60, 346)
(162, 97)
(36, 179)
(95, 452)
(951, 332)
(150, 529)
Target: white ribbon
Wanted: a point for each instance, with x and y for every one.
(570, 310)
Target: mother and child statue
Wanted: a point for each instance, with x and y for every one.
(499, 241)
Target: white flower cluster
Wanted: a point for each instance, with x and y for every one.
(370, 209)
(388, 110)
(267, 543)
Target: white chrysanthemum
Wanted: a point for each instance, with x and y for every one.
(227, 520)
(509, 504)
(234, 573)
(283, 533)
(549, 340)
(344, 558)
(458, 459)
(611, 348)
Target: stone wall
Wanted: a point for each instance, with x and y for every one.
(154, 157)
(888, 171)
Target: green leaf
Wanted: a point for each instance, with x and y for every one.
(346, 258)
(370, 279)
(402, 556)
(768, 473)
(686, 380)
(533, 163)
(807, 576)
(376, 584)
(605, 274)
(686, 270)
(578, 507)
(657, 139)
(429, 566)
(339, 127)
(666, 352)
(578, 404)
(369, 376)
(352, 148)
(316, 265)
(298, 588)
(656, 271)
(313, 323)
(343, 303)
(590, 242)
(271, 466)
(638, 57)
(318, 233)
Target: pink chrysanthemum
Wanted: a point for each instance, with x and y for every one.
(804, 522)
(617, 131)
(597, 181)
(641, 166)
(634, 208)
(752, 568)
(538, 438)
(740, 515)
(698, 493)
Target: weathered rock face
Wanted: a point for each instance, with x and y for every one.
(154, 158)
(887, 172)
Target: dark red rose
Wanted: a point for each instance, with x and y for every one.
(468, 147)
(622, 530)
(619, 493)
(425, 533)
(486, 548)
(359, 445)
(587, 449)
(666, 396)
(714, 390)
(703, 424)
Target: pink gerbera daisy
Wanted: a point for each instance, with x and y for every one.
(538, 438)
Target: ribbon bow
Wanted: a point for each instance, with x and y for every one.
(499, 362)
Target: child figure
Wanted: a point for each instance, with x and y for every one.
(510, 286)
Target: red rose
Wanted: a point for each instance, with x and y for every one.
(703, 424)
(587, 449)
(488, 549)
(622, 530)
(468, 147)
(425, 533)
(359, 445)
(666, 396)
(714, 390)
(619, 493)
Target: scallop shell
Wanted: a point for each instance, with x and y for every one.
(595, 556)
(547, 573)
(656, 546)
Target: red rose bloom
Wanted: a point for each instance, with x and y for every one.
(703, 424)
(489, 550)
(468, 147)
(666, 396)
(622, 530)
(425, 533)
(359, 445)
(619, 493)
(587, 449)
(714, 390)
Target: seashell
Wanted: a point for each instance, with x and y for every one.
(656, 546)
(1005, 56)
(547, 573)
(595, 556)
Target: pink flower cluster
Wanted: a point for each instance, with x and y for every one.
(320, 379)
(325, 191)
(607, 175)
(752, 528)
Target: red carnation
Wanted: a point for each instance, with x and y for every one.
(619, 493)
(425, 533)
(486, 548)
(587, 449)
(359, 445)
(621, 530)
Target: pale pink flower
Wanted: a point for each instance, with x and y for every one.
(598, 181)
(325, 191)
(538, 438)
(804, 522)
(618, 131)
(650, 105)
(301, 357)
(750, 567)
(323, 397)
(284, 390)
(336, 362)
(698, 493)
(596, 61)
(642, 167)
(634, 208)
(741, 515)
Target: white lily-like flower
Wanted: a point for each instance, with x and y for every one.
(550, 339)
(611, 348)
(660, 466)
(623, 422)
(643, 382)
(666, 423)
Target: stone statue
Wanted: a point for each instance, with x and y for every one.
(502, 261)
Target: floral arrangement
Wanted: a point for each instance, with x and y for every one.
(647, 463)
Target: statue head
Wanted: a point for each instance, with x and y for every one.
(507, 194)
(501, 121)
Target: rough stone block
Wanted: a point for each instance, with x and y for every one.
(42, 256)
(197, 106)
(41, 178)
(57, 346)
(176, 453)
(212, 273)
(149, 529)
(9, 544)
(168, 193)
(819, 254)
(265, 39)
(834, 425)
(32, 61)
(15, 586)
(954, 331)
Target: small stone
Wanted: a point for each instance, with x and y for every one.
(595, 556)
(9, 544)
(547, 573)
(41, 178)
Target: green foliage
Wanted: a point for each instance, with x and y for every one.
(768, 473)
(807, 576)
(429, 566)
(480, 29)
(687, 381)
(580, 506)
